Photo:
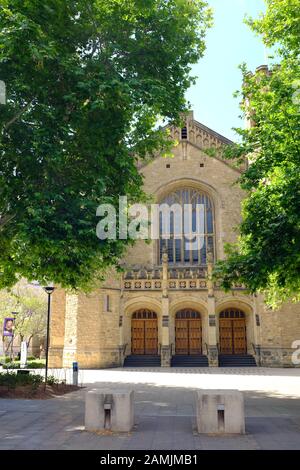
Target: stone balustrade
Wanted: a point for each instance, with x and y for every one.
(142, 278)
(179, 278)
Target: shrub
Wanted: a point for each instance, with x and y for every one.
(4, 360)
(12, 365)
(37, 364)
(12, 380)
(51, 380)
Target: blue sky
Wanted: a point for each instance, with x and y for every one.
(229, 43)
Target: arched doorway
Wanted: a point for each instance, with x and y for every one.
(188, 332)
(144, 332)
(232, 329)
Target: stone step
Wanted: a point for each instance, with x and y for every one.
(142, 361)
(236, 360)
(189, 361)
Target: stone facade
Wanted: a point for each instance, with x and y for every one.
(95, 329)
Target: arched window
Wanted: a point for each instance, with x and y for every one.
(186, 227)
(187, 314)
(144, 314)
(232, 313)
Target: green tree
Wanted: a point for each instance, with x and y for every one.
(267, 255)
(86, 84)
(30, 304)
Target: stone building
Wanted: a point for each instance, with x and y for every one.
(164, 309)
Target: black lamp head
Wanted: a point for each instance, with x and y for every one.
(49, 289)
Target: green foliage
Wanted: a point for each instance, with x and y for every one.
(280, 25)
(5, 360)
(51, 380)
(12, 380)
(86, 84)
(31, 358)
(31, 364)
(267, 256)
(30, 303)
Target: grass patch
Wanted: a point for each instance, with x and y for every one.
(31, 364)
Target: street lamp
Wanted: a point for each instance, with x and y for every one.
(49, 290)
(12, 354)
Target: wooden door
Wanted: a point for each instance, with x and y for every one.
(151, 336)
(195, 336)
(226, 338)
(138, 337)
(233, 334)
(182, 339)
(144, 332)
(188, 332)
(239, 336)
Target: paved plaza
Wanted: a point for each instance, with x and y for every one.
(164, 411)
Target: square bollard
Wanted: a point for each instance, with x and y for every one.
(220, 412)
(107, 409)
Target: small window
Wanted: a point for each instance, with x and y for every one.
(201, 165)
(168, 165)
(184, 133)
(107, 303)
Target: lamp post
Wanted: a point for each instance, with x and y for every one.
(49, 290)
(12, 354)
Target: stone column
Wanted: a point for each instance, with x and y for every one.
(165, 339)
(121, 330)
(212, 350)
(256, 327)
(57, 327)
(71, 336)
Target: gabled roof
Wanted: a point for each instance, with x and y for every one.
(199, 134)
(202, 137)
(214, 133)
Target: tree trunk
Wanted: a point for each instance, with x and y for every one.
(28, 341)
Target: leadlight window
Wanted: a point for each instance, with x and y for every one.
(187, 314)
(176, 235)
(144, 314)
(232, 313)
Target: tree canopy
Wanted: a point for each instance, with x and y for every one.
(267, 255)
(86, 83)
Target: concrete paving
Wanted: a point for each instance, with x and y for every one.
(164, 411)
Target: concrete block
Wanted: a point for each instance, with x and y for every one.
(220, 412)
(109, 409)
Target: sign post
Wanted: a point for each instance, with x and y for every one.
(75, 373)
(23, 360)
